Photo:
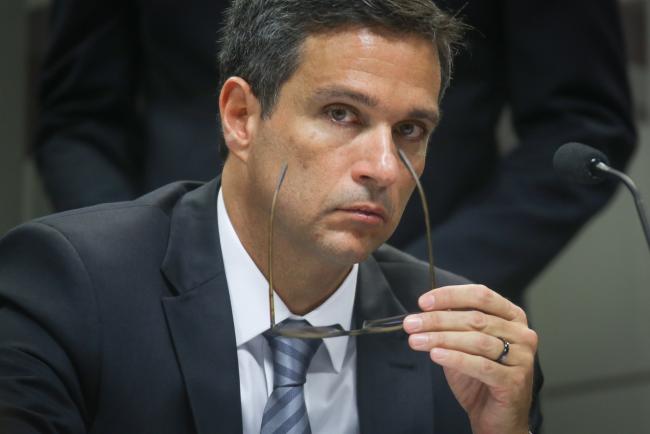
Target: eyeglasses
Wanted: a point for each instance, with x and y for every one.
(381, 325)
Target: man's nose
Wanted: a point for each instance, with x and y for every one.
(379, 162)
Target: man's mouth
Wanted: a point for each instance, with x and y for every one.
(366, 213)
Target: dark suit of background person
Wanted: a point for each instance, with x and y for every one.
(129, 103)
(101, 334)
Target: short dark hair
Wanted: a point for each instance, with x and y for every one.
(261, 40)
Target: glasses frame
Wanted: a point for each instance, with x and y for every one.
(375, 326)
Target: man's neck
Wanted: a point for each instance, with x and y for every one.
(304, 291)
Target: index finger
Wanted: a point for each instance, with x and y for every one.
(476, 297)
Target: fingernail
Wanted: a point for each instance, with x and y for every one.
(412, 324)
(439, 353)
(419, 341)
(427, 302)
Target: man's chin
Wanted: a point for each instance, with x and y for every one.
(352, 252)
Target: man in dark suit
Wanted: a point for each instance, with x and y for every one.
(137, 316)
(128, 105)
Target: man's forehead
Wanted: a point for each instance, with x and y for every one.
(364, 54)
(365, 34)
(359, 37)
(364, 68)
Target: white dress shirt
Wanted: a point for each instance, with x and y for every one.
(330, 390)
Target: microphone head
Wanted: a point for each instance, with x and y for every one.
(576, 162)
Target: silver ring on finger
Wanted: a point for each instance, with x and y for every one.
(504, 353)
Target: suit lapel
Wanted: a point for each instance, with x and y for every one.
(394, 385)
(199, 316)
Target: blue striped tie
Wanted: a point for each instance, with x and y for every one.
(285, 411)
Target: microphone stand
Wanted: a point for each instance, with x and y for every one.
(638, 201)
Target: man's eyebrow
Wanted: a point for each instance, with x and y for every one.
(432, 116)
(339, 92)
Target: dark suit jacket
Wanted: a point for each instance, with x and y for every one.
(129, 103)
(117, 319)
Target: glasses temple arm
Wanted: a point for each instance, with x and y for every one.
(425, 209)
(283, 172)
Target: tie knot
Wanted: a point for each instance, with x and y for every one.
(291, 356)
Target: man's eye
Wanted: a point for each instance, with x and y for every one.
(341, 114)
(410, 131)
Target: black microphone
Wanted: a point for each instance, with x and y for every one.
(576, 162)
(586, 165)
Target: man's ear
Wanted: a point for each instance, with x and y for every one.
(240, 115)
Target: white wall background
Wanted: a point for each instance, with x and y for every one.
(592, 311)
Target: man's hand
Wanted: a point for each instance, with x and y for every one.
(462, 328)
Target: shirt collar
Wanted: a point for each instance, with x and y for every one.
(248, 289)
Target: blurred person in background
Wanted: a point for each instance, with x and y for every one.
(128, 99)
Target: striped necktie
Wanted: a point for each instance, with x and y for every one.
(285, 411)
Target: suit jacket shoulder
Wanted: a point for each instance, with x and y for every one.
(81, 315)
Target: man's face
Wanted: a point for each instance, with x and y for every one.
(356, 98)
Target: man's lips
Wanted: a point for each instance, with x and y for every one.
(368, 213)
